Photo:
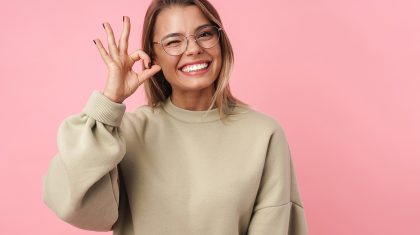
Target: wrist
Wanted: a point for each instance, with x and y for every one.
(115, 100)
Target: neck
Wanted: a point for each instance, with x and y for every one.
(192, 100)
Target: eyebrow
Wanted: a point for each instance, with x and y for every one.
(199, 27)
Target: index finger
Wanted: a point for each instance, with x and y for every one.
(140, 54)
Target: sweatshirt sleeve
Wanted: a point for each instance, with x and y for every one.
(278, 209)
(81, 184)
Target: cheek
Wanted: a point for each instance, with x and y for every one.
(169, 67)
(218, 56)
(169, 64)
(165, 61)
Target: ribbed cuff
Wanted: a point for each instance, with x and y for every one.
(104, 110)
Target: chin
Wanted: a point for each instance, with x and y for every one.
(197, 85)
(194, 83)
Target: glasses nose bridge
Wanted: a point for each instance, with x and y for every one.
(194, 38)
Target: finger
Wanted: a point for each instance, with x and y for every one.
(140, 54)
(123, 42)
(145, 74)
(113, 50)
(104, 54)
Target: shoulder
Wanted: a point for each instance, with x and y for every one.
(138, 119)
(272, 130)
(255, 118)
(142, 112)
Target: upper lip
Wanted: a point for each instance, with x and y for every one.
(195, 62)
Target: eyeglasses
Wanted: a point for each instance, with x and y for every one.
(176, 43)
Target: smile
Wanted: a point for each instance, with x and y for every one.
(196, 69)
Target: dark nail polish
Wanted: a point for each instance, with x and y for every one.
(103, 25)
(123, 18)
(94, 42)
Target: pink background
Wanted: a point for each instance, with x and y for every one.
(342, 77)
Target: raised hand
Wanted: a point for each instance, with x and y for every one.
(122, 81)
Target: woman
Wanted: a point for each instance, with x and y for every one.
(195, 160)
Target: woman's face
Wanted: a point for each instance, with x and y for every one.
(185, 20)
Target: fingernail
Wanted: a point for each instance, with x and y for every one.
(150, 64)
(123, 18)
(103, 25)
(94, 42)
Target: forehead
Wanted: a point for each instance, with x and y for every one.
(179, 19)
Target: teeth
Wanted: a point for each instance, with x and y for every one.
(195, 67)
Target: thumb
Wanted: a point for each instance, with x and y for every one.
(148, 73)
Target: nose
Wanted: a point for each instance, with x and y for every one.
(193, 47)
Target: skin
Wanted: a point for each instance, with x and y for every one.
(122, 80)
(191, 93)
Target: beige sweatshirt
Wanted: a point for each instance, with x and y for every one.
(173, 171)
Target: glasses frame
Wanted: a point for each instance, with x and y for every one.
(195, 39)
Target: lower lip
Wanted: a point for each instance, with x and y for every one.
(196, 73)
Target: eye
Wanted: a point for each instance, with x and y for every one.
(172, 43)
(205, 34)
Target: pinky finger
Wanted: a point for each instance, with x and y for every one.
(104, 54)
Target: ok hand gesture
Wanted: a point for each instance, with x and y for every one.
(122, 80)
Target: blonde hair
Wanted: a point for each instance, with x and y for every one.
(158, 89)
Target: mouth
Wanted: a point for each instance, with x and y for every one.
(196, 69)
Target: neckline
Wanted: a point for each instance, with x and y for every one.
(190, 115)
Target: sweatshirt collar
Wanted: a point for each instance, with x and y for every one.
(190, 115)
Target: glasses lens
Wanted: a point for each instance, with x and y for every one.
(174, 45)
(208, 36)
